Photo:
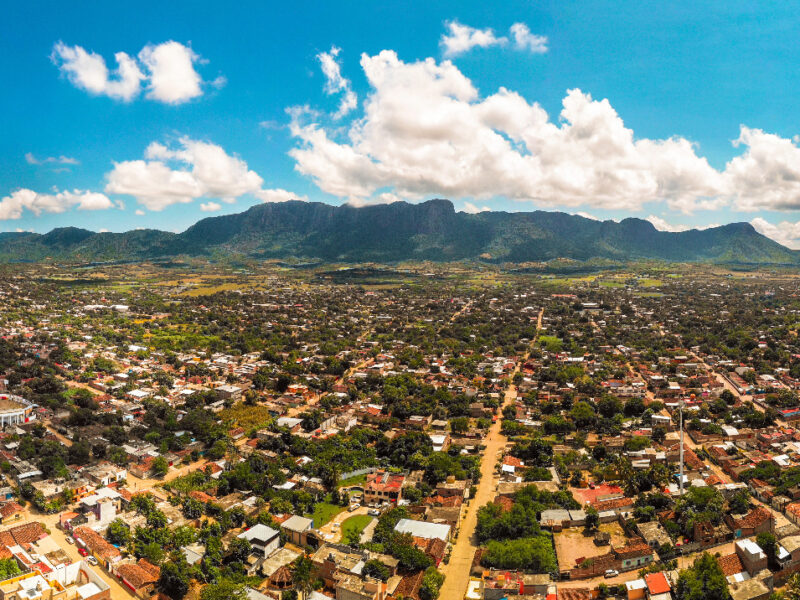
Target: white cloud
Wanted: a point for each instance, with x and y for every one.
(662, 225)
(525, 40)
(12, 206)
(88, 70)
(586, 215)
(278, 195)
(59, 160)
(785, 232)
(210, 206)
(425, 131)
(171, 77)
(767, 174)
(472, 209)
(139, 212)
(186, 172)
(204, 170)
(335, 83)
(462, 38)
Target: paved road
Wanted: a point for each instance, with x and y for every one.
(457, 570)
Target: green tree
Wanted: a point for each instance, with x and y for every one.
(224, 590)
(303, 576)
(119, 532)
(704, 580)
(160, 466)
(431, 584)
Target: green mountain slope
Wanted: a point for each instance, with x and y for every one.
(385, 233)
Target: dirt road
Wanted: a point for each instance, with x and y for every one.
(457, 570)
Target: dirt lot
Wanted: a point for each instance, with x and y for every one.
(571, 544)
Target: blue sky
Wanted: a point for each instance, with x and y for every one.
(229, 104)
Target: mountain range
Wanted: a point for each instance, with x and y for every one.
(431, 230)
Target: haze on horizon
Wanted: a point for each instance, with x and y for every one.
(125, 116)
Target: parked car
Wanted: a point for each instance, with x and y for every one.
(611, 573)
(354, 507)
(374, 512)
(92, 560)
(83, 552)
(70, 540)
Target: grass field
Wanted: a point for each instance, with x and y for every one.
(355, 480)
(356, 523)
(324, 512)
(650, 282)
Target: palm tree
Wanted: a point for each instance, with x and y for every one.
(303, 576)
(792, 591)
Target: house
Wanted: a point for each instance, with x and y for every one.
(758, 520)
(654, 534)
(353, 587)
(752, 556)
(452, 487)
(139, 577)
(296, 529)
(106, 554)
(633, 555)
(265, 539)
(383, 486)
(421, 529)
(10, 512)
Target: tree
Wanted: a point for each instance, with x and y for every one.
(192, 508)
(239, 549)
(704, 580)
(303, 576)
(592, 518)
(583, 414)
(376, 569)
(224, 590)
(118, 532)
(769, 544)
(431, 584)
(792, 591)
(160, 466)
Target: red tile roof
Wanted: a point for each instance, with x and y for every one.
(657, 583)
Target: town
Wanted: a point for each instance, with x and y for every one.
(452, 431)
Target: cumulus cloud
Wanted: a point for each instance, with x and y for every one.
(210, 206)
(525, 40)
(278, 195)
(180, 175)
(58, 160)
(12, 206)
(472, 209)
(785, 232)
(187, 171)
(459, 39)
(173, 79)
(663, 225)
(425, 131)
(88, 70)
(166, 69)
(767, 174)
(335, 83)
